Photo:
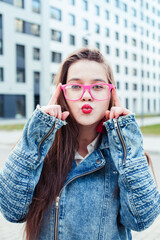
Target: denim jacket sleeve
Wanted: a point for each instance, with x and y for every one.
(139, 198)
(23, 168)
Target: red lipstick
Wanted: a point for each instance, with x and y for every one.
(86, 108)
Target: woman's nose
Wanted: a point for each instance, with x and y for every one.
(86, 96)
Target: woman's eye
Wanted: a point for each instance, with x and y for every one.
(97, 87)
(76, 87)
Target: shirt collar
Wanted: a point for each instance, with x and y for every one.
(91, 147)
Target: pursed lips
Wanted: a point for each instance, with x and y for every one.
(86, 108)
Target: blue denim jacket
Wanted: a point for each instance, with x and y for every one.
(105, 197)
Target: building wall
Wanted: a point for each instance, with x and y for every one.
(134, 56)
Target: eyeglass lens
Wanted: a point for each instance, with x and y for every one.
(75, 92)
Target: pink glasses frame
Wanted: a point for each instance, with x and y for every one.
(87, 87)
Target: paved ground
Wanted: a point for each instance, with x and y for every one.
(10, 231)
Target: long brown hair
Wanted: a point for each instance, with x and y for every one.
(59, 159)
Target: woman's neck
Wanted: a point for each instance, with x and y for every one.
(86, 135)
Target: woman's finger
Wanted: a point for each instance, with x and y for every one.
(107, 115)
(59, 112)
(116, 99)
(55, 96)
(64, 115)
(118, 111)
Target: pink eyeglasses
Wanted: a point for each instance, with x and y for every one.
(74, 92)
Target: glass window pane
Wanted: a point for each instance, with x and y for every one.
(19, 3)
(36, 53)
(36, 6)
(56, 13)
(19, 25)
(1, 75)
(56, 57)
(56, 35)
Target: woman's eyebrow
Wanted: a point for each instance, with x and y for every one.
(98, 80)
(93, 80)
(74, 79)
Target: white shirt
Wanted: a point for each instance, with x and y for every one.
(91, 147)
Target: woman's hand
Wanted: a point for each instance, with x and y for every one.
(55, 110)
(117, 110)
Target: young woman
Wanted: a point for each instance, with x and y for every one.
(79, 171)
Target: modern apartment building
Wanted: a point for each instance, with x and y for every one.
(35, 36)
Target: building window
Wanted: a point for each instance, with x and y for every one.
(134, 72)
(126, 86)
(127, 103)
(56, 57)
(134, 105)
(154, 75)
(19, 3)
(97, 28)
(85, 5)
(134, 57)
(20, 106)
(56, 35)
(117, 69)
(117, 3)
(126, 70)
(72, 19)
(1, 105)
(72, 40)
(19, 25)
(124, 7)
(118, 85)
(27, 28)
(1, 36)
(20, 75)
(36, 6)
(72, 2)
(107, 49)
(142, 73)
(107, 15)
(148, 104)
(134, 42)
(134, 86)
(134, 12)
(142, 59)
(36, 53)
(142, 45)
(56, 13)
(125, 23)
(15, 106)
(98, 45)
(20, 54)
(84, 42)
(1, 47)
(126, 55)
(134, 27)
(1, 74)
(97, 10)
(116, 35)
(107, 32)
(35, 30)
(36, 80)
(125, 38)
(85, 24)
(116, 19)
(117, 52)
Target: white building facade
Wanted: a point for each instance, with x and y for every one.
(36, 36)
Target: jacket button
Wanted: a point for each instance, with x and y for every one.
(98, 161)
